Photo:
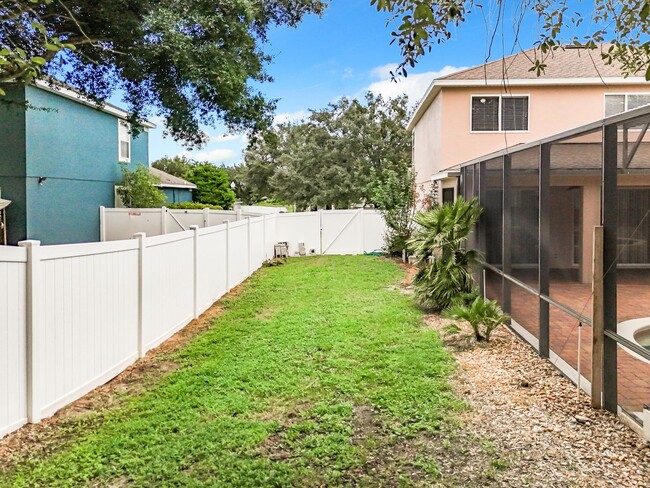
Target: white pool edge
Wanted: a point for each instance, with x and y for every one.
(628, 328)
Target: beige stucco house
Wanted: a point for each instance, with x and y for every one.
(503, 103)
(560, 165)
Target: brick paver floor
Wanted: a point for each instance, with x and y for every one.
(633, 302)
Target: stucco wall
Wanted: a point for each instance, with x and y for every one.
(12, 159)
(75, 147)
(553, 109)
(427, 145)
(177, 195)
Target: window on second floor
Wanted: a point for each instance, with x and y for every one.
(619, 103)
(124, 141)
(497, 113)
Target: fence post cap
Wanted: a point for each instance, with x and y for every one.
(139, 235)
(194, 227)
(29, 243)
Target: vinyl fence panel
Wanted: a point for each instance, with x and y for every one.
(295, 228)
(181, 220)
(343, 232)
(374, 230)
(257, 242)
(87, 309)
(212, 280)
(13, 345)
(237, 253)
(270, 238)
(74, 316)
(222, 216)
(168, 286)
(121, 223)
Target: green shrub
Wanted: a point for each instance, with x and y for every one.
(212, 185)
(395, 197)
(439, 247)
(192, 206)
(138, 190)
(483, 315)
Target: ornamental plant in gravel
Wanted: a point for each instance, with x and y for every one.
(483, 315)
(439, 247)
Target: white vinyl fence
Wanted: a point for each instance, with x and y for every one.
(74, 316)
(322, 232)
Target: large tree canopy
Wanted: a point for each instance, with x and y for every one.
(188, 61)
(337, 156)
(624, 25)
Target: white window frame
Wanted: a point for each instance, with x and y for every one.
(618, 94)
(123, 126)
(499, 96)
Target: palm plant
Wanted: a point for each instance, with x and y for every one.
(439, 248)
(483, 315)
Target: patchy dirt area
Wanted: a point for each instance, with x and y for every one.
(41, 439)
(527, 416)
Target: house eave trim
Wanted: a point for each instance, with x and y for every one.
(437, 85)
(452, 173)
(107, 108)
(184, 187)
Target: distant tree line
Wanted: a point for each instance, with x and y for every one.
(339, 156)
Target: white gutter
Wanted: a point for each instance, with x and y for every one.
(186, 187)
(452, 173)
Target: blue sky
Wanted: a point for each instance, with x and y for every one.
(345, 53)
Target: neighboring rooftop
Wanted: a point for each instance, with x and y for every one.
(170, 181)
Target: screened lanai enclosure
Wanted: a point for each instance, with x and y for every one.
(565, 235)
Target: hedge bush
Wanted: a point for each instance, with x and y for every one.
(192, 206)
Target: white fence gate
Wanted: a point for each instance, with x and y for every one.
(74, 316)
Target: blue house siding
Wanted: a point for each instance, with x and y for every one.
(73, 149)
(177, 195)
(12, 161)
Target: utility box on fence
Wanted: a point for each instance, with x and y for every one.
(281, 250)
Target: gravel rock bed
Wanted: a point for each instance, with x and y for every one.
(530, 413)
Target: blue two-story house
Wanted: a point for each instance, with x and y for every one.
(60, 159)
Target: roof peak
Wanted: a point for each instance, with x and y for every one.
(564, 62)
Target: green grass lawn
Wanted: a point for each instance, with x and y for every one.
(317, 373)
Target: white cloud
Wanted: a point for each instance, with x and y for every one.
(414, 86)
(285, 117)
(348, 73)
(383, 72)
(227, 137)
(212, 156)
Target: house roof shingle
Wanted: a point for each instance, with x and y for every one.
(171, 181)
(565, 62)
(566, 65)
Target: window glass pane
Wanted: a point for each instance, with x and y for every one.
(447, 195)
(124, 149)
(514, 113)
(485, 113)
(636, 101)
(614, 104)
